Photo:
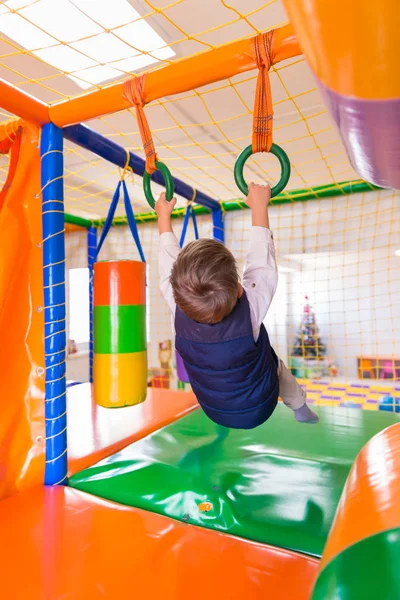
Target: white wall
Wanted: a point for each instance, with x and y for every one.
(349, 270)
(339, 251)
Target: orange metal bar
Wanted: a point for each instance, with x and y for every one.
(371, 498)
(22, 104)
(181, 76)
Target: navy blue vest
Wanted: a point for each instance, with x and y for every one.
(235, 379)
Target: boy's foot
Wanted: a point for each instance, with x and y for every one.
(304, 414)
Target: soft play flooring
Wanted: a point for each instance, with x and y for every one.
(278, 484)
(363, 394)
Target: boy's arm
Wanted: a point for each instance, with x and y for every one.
(168, 248)
(260, 277)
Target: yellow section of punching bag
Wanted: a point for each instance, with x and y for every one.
(120, 379)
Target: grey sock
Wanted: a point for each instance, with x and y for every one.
(304, 414)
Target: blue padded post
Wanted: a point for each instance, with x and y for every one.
(218, 223)
(91, 257)
(52, 160)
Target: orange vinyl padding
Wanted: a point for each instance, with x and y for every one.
(22, 432)
(60, 543)
(8, 134)
(22, 104)
(180, 76)
(371, 498)
(13, 144)
(95, 432)
(352, 47)
(69, 228)
(107, 293)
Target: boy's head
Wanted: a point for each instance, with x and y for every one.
(205, 281)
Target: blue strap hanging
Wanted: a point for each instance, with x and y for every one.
(129, 214)
(189, 213)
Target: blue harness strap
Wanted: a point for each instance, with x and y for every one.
(129, 214)
(189, 213)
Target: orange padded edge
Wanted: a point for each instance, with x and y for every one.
(22, 430)
(180, 76)
(371, 498)
(352, 47)
(62, 543)
(113, 283)
(95, 432)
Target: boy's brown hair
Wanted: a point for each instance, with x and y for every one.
(205, 281)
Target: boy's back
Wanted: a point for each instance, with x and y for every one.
(220, 335)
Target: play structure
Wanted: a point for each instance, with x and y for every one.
(113, 489)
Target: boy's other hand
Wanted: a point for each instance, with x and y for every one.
(258, 196)
(258, 199)
(164, 208)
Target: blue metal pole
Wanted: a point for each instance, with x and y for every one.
(92, 246)
(95, 142)
(52, 161)
(218, 223)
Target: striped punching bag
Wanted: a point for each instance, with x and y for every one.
(180, 367)
(119, 322)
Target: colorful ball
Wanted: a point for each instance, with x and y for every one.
(389, 404)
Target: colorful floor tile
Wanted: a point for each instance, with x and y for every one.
(361, 394)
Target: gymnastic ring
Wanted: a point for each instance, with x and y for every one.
(276, 151)
(169, 183)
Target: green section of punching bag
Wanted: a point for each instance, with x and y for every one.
(119, 329)
(368, 570)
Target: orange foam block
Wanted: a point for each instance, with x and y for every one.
(62, 543)
(95, 432)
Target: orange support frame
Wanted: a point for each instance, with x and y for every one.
(22, 104)
(180, 76)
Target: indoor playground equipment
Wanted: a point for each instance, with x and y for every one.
(119, 320)
(108, 488)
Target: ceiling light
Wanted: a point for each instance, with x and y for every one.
(69, 35)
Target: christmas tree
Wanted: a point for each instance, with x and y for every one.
(308, 343)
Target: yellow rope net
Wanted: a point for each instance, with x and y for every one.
(198, 134)
(338, 252)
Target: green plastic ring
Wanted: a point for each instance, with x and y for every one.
(285, 166)
(169, 183)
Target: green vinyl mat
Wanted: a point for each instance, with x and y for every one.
(278, 484)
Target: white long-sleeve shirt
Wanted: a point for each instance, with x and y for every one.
(260, 276)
